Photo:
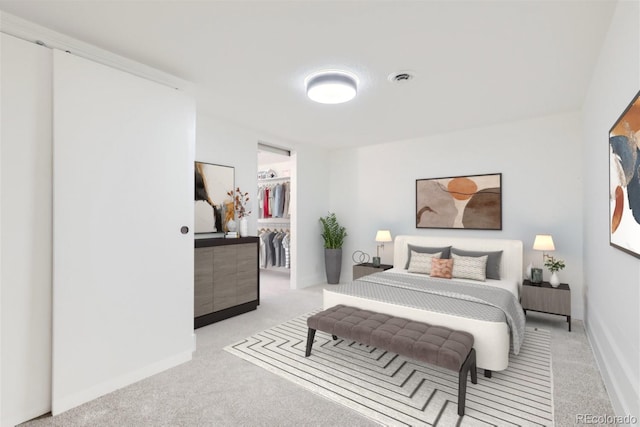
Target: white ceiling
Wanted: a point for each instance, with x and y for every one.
(476, 62)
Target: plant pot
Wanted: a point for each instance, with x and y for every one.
(333, 265)
(554, 280)
(244, 227)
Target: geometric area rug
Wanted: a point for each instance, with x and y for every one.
(397, 391)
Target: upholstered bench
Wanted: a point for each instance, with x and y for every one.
(436, 345)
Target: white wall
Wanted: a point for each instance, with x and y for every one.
(374, 187)
(311, 191)
(224, 143)
(612, 277)
(25, 263)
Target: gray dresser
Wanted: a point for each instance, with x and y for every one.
(227, 278)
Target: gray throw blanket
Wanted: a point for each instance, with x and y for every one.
(448, 294)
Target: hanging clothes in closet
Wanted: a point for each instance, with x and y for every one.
(273, 200)
(274, 248)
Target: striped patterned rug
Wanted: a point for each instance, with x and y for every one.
(393, 390)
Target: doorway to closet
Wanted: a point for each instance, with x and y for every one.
(275, 209)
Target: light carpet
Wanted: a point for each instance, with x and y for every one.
(394, 390)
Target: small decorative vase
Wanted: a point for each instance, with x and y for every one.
(231, 225)
(554, 280)
(527, 271)
(244, 227)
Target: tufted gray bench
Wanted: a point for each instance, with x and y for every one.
(436, 345)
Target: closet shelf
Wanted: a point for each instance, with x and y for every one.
(277, 179)
(273, 220)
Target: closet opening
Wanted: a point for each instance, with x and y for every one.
(274, 215)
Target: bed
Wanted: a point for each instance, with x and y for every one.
(397, 292)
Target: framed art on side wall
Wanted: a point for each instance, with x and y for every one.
(624, 180)
(470, 202)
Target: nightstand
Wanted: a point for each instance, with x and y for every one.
(545, 298)
(365, 269)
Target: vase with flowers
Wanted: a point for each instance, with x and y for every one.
(554, 265)
(240, 200)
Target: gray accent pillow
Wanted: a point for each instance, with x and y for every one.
(446, 252)
(493, 260)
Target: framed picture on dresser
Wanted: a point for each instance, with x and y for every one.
(468, 202)
(212, 204)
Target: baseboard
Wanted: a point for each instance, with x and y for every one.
(65, 403)
(15, 419)
(615, 372)
(305, 282)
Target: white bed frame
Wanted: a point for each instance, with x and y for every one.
(491, 339)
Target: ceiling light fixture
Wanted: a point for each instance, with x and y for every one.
(331, 86)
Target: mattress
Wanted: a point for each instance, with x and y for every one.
(507, 284)
(474, 301)
(489, 325)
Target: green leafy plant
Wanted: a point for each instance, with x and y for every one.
(554, 264)
(332, 232)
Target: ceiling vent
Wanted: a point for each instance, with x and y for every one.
(401, 77)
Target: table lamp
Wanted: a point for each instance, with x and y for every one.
(382, 236)
(542, 242)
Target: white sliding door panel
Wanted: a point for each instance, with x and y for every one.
(123, 188)
(25, 256)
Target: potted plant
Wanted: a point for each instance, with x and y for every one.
(333, 234)
(554, 265)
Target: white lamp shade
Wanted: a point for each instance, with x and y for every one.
(543, 242)
(331, 87)
(383, 236)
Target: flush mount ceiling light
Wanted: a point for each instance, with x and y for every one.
(331, 87)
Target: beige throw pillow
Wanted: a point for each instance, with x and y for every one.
(466, 267)
(421, 262)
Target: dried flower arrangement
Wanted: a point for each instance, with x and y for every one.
(240, 200)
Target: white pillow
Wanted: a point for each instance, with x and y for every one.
(421, 262)
(467, 267)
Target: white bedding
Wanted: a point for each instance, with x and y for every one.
(492, 339)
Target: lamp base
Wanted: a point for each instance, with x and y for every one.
(376, 261)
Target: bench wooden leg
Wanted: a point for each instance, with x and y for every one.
(310, 336)
(334, 337)
(469, 365)
(487, 373)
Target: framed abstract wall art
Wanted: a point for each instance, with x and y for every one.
(211, 200)
(471, 202)
(624, 180)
